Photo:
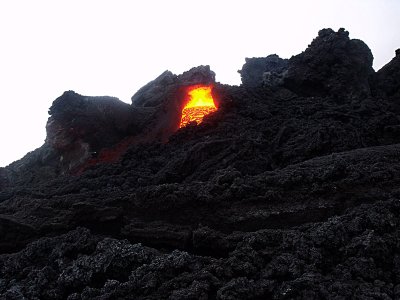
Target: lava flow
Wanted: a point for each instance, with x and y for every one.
(200, 104)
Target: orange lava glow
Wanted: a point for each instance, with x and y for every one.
(200, 104)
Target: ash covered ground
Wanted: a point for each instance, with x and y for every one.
(290, 190)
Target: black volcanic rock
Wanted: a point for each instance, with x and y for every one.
(199, 75)
(332, 65)
(83, 131)
(387, 79)
(98, 121)
(278, 194)
(155, 92)
(258, 71)
(3, 178)
(80, 126)
(168, 95)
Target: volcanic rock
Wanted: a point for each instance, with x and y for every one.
(81, 126)
(168, 94)
(83, 131)
(155, 92)
(333, 65)
(290, 190)
(3, 178)
(258, 71)
(387, 79)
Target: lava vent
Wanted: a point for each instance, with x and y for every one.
(200, 104)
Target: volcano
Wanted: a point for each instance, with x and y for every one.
(285, 187)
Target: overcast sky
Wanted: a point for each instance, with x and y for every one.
(114, 47)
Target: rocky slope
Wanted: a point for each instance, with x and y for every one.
(290, 190)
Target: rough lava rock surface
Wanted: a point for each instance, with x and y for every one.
(388, 79)
(329, 65)
(290, 190)
(255, 70)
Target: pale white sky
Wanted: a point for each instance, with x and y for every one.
(114, 47)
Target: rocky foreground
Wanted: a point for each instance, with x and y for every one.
(290, 190)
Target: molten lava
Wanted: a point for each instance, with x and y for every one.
(200, 104)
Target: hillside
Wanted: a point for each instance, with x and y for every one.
(289, 190)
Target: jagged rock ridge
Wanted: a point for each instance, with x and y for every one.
(290, 190)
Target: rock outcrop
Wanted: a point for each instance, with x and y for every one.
(156, 92)
(168, 95)
(387, 79)
(333, 65)
(83, 131)
(79, 126)
(267, 71)
(290, 190)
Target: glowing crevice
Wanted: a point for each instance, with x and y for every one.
(200, 104)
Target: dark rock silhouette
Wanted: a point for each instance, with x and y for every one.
(255, 71)
(290, 190)
(332, 65)
(83, 131)
(81, 126)
(387, 79)
(155, 92)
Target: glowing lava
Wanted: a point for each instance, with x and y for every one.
(200, 104)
